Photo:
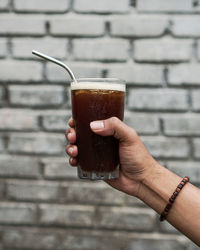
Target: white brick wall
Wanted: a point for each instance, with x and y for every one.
(100, 49)
(152, 44)
(165, 49)
(22, 47)
(164, 6)
(36, 95)
(3, 47)
(77, 25)
(184, 74)
(21, 25)
(186, 26)
(196, 99)
(103, 6)
(137, 73)
(138, 25)
(158, 99)
(20, 70)
(18, 119)
(4, 4)
(41, 6)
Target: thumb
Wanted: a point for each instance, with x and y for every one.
(113, 127)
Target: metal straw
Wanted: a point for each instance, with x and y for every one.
(51, 59)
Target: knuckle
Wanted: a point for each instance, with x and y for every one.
(133, 134)
(114, 120)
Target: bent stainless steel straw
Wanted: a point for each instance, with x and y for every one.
(51, 59)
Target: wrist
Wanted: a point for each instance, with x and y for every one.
(161, 181)
(151, 198)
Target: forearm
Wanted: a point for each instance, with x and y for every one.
(156, 190)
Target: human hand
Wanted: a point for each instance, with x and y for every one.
(135, 161)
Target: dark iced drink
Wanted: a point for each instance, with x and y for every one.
(97, 99)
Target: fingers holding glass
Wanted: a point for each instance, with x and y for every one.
(72, 151)
(71, 122)
(70, 135)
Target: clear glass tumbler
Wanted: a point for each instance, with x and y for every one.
(97, 99)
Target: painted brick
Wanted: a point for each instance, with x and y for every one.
(4, 4)
(198, 50)
(17, 213)
(152, 244)
(89, 240)
(166, 227)
(163, 147)
(196, 144)
(184, 74)
(100, 49)
(80, 70)
(103, 6)
(36, 143)
(163, 50)
(2, 190)
(19, 166)
(138, 25)
(1, 144)
(157, 99)
(164, 6)
(32, 190)
(1, 95)
(182, 125)
(186, 168)
(58, 168)
(77, 25)
(56, 121)
(126, 217)
(22, 71)
(142, 123)
(196, 99)
(54, 47)
(3, 47)
(24, 238)
(133, 201)
(186, 26)
(101, 193)
(73, 215)
(138, 74)
(41, 6)
(22, 25)
(36, 95)
(192, 246)
(18, 119)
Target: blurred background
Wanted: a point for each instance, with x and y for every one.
(155, 46)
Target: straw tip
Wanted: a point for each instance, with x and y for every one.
(33, 51)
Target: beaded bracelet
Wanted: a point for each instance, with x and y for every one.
(173, 197)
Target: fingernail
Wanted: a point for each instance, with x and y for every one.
(70, 150)
(97, 125)
(69, 135)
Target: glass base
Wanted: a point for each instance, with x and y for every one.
(98, 175)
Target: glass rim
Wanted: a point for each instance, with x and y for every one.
(100, 79)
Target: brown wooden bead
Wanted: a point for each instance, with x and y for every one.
(173, 197)
(180, 186)
(167, 209)
(169, 205)
(175, 193)
(162, 217)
